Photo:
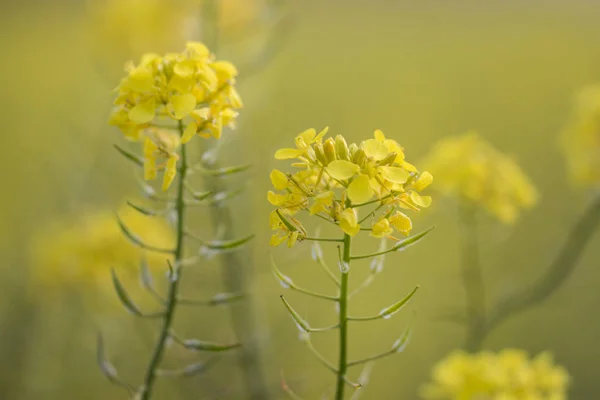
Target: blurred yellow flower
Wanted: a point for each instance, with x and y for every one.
(580, 140)
(507, 375)
(336, 179)
(469, 167)
(163, 90)
(80, 252)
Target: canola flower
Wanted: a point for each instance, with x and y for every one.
(334, 178)
(507, 375)
(80, 252)
(580, 139)
(190, 90)
(469, 167)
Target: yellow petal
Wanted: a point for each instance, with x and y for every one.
(279, 179)
(224, 70)
(325, 198)
(401, 222)
(292, 239)
(170, 172)
(394, 174)
(307, 135)
(149, 148)
(348, 222)
(379, 136)
(321, 134)
(342, 169)
(423, 181)
(143, 112)
(375, 149)
(141, 80)
(381, 228)
(359, 190)
(149, 169)
(276, 240)
(189, 133)
(286, 154)
(277, 199)
(197, 49)
(183, 104)
(421, 201)
(185, 69)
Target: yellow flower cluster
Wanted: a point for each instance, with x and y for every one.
(79, 253)
(472, 168)
(189, 86)
(333, 179)
(507, 375)
(580, 139)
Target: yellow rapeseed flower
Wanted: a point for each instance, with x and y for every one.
(78, 253)
(471, 168)
(163, 93)
(334, 179)
(580, 140)
(507, 375)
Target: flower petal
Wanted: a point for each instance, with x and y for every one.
(170, 172)
(183, 104)
(286, 154)
(359, 190)
(394, 174)
(401, 222)
(342, 169)
(375, 149)
(421, 201)
(348, 222)
(143, 112)
(189, 133)
(279, 179)
(423, 181)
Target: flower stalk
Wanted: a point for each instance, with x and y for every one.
(174, 279)
(343, 318)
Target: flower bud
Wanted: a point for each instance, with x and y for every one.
(341, 148)
(320, 154)
(360, 158)
(329, 149)
(389, 159)
(352, 148)
(310, 154)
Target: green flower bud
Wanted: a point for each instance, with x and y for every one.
(342, 148)
(320, 154)
(389, 159)
(329, 149)
(360, 158)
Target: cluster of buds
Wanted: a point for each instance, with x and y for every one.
(190, 88)
(469, 167)
(335, 178)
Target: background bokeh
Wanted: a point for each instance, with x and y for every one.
(420, 71)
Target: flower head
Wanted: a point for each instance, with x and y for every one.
(580, 140)
(333, 179)
(469, 167)
(79, 252)
(189, 92)
(509, 374)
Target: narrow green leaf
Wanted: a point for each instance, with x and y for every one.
(126, 300)
(228, 244)
(402, 342)
(226, 170)
(201, 345)
(302, 324)
(394, 308)
(412, 240)
(136, 240)
(130, 156)
(284, 280)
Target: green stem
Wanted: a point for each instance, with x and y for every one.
(472, 279)
(343, 352)
(174, 279)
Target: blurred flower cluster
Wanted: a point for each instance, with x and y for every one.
(162, 89)
(507, 375)
(580, 139)
(334, 178)
(79, 252)
(469, 167)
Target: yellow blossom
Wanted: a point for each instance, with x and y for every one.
(334, 179)
(78, 253)
(509, 374)
(580, 139)
(164, 93)
(471, 168)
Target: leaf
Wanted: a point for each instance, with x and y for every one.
(302, 324)
(126, 300)
(412, 240)
(394, 308)
(130, 156)
(201, 345)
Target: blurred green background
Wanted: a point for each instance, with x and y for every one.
(419, 71)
